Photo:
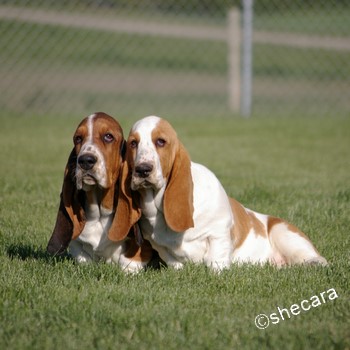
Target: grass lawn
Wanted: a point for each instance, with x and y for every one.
(294, 168)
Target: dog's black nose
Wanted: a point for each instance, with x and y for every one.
(87, 161)
(143, 169)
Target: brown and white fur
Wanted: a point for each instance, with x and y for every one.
(86, 219)
(186, 214)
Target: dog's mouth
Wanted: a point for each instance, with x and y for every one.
(139, 183)
(89, 180)
(86, 181)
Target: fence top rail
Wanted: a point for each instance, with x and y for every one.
(147, 27)
(113, 24)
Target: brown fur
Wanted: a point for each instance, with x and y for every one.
(70, 220)
(127, 212)
(178, 195)
(176, 168)
(71, 215)
(134, 252)
(243, 222)
(272, 221)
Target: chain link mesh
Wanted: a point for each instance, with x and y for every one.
(171, 57)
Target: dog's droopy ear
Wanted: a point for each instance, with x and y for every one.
(71, 216)
(127, 212)
(178, 195)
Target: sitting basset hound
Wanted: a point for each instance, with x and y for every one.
(86, 217)
(186, 215)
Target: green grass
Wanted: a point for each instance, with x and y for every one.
(294, 168)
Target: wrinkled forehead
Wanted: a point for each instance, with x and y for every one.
(150, 128)
(98, 123)
(144, 127)
(105, 123)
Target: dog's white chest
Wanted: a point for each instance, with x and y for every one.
(152, 205)
(153, 223)
(93, 242)
(96, 227)
(98, 221)
(172, 246)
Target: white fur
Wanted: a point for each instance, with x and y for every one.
(99, 170)
(255, 249)
(295, 248)
(280, 246)
(147, 153)
(93, 243)
(209, 241)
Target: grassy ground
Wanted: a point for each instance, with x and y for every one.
(294, 168)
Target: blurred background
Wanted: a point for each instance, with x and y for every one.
(174, 57)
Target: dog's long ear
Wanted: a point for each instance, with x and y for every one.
(127, 211)
(178, 195)
(71, 217)
(110, 195)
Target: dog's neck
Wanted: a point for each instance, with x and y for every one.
(93, 205)
(151, 201)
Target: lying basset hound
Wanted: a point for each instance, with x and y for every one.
(186, 214)
(86, 217)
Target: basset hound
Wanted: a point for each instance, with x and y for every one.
(86, 217)
(186, 215)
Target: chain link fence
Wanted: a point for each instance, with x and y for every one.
(172, 57)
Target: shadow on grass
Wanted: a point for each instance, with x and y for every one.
(27, 252)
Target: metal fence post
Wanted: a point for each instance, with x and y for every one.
(234, 61)
(246, 102)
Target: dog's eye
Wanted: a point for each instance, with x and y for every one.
(160, 143)
(77, 140)
(108, 138)
(133, 144)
